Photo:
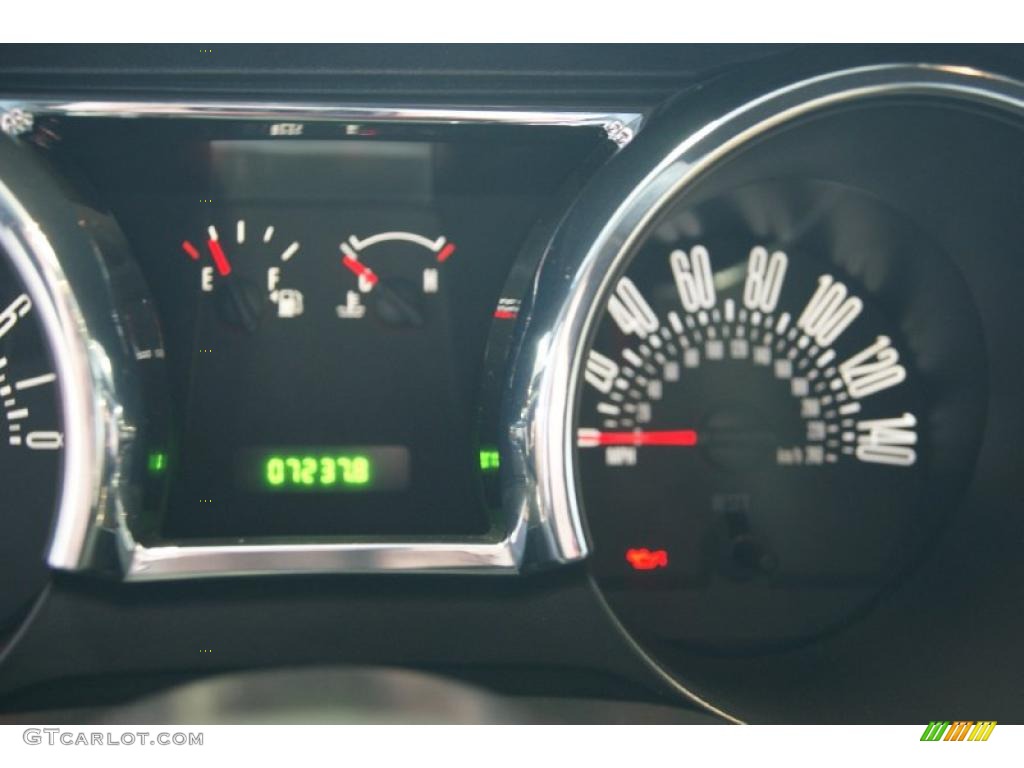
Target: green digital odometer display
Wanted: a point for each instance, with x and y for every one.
(351, 471)
(330, 470)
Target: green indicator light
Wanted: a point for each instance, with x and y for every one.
(325, 471)
(157, 462)
(489, 460)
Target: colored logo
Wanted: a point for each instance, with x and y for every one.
(959, 730)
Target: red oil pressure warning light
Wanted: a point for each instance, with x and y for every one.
(643, 559)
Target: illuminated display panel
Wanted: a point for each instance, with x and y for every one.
(326, 285)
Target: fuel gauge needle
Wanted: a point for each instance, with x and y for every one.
(220, 260)
(247, 312)
(592, 438)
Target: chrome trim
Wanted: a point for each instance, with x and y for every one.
(620, 127)
(176, 562)
(15, 122)
(100, 431)
(52, 256)
(36, 263)
(652, 664)
(596, 241)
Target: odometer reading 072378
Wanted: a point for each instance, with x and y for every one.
(327, 472)
(328, 469)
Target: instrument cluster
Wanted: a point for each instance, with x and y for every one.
(747, 365)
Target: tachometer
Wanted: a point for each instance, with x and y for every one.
(31, 448)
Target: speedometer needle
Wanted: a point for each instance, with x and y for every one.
(592, 438)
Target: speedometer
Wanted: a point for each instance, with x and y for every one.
(755, 433)
(755, 368)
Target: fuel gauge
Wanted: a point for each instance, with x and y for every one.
(247, 274)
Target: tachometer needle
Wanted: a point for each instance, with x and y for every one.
(592, 438)
(219, 259)
(359, 269)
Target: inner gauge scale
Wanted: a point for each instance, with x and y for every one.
(750, 420)
(31, 443)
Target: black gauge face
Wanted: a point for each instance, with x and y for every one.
(31, 445)
(755, 435)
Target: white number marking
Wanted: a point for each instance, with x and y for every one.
(631, 311)
(16, 310)
(764, 279)
(601, 372)
(887, 441)
(694, 279)
(829, 312)
(873, 369)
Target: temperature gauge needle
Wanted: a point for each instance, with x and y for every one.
(359, 269)
(407, 313)
(591, 438)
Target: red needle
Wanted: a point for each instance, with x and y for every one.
(219, 259)
(359, 269)
(446, 252)
(591, 438)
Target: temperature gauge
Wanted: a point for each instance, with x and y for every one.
(395, 272)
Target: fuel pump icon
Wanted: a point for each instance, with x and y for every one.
(289, 302)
